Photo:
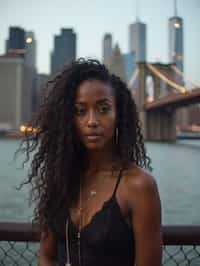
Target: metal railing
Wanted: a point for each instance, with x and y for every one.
(181, 245)
(19, 244)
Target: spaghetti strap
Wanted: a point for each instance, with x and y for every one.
(118, 181)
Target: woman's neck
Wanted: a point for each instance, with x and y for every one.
(101, 160)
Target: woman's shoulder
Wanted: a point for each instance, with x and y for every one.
(138, 182)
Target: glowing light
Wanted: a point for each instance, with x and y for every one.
(149, 99)
(183, 90)
(195, 128)
(24, 128)
(177, 25)
(29, 40)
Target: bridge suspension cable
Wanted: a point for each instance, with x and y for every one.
(179, 72)
(171, 83)
(133, 77)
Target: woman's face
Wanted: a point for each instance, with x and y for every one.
(95, 114)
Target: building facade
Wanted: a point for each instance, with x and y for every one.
(30, 61)
(16, 42)
(64, 51)
(176, 56)
(176, 41)
(41, 88)
(107, 48)
(137, 40)
(23, 45)
(15, 92)
(30, 45)
(129, 62)
(116, 65)
(176, 53)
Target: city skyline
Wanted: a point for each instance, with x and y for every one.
(104, 19)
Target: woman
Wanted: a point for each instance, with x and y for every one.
(87, 174)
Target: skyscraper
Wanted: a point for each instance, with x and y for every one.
(116, 65)
(30, 61)
(176, 57)
(30, 44)
(23, 44)
(176, 39)
(16, 42)
(129, 62)
(15, 92)
(64, 50)
(137, 40)
(41, 88)
(107, 48)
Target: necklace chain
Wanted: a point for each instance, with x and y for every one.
(80, 225)
(92, 194)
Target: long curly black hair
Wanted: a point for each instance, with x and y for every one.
(57, 161)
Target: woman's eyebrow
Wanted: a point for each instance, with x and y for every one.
(104, 100)
(80, 103)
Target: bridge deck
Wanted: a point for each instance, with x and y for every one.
(175, 100)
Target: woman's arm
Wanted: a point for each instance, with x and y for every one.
(48, 247)
(146, 220)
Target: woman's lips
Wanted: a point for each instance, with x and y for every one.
(93, 137)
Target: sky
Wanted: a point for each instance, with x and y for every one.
(91, 19)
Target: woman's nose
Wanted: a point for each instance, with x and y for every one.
(92, 119)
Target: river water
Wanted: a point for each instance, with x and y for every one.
(176, 170)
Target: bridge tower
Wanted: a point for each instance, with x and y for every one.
(159, 124)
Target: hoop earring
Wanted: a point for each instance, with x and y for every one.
(116, 135)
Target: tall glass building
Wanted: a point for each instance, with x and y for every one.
(30, 56)
(137, 40)
(16, 42)
(107, 48)
(129, 62)
(64, 50)
(176, 40)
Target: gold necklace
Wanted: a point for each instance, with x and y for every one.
(80, 225)
(92, 194)
(68, 263)
(76, 211)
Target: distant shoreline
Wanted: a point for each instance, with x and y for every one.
(10, 136)
(19, 134)
(188, 137)
(182, 136)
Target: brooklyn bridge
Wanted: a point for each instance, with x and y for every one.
(159, 91)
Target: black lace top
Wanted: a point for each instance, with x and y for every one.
(106, 241)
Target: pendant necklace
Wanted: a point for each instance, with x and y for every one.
(92, 194)
(68, 263)
(80, 224)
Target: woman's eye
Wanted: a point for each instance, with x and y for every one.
(79, 111)
(104, 108)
